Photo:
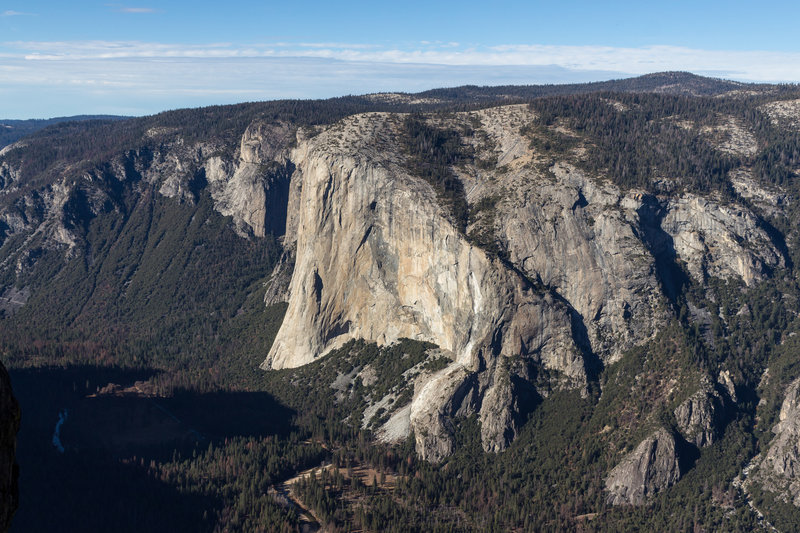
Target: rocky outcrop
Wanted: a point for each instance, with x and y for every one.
(770, 201)
(278, 282)
(731, 136)
(8, 174)
(505, 407)
(603, 249)
(437, 402)
(9, 425)
(700, 417)
(724, 241)
(790, 408)
(498, 427)
(779, 471)
(784, 112)
(251, 187)
(653, 466)
(726, 382)
(13, 299)
(254, 190)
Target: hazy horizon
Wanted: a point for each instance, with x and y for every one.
(137, 59)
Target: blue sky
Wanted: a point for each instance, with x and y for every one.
(65, 58)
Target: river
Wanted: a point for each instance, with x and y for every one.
(62, 417)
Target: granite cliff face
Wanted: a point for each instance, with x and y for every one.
(779, 468)
(700, 417)
(253, 190)
(719, 241)
(373, 243)
(650, 468)
(375, 256)
(578, 235)
(377, 259)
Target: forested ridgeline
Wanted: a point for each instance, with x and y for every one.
(644, 140)
(77, 145)
(13, 130)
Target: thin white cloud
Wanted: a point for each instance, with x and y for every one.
(119, 8)
(352, 46)
(137, 10)
(143, 86)
(12, 13)
(145, 77)
(744, 65)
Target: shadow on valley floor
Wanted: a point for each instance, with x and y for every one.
(110, 434)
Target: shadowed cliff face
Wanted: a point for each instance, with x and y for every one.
(9, 425)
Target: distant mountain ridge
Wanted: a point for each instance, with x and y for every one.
(675, 83)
